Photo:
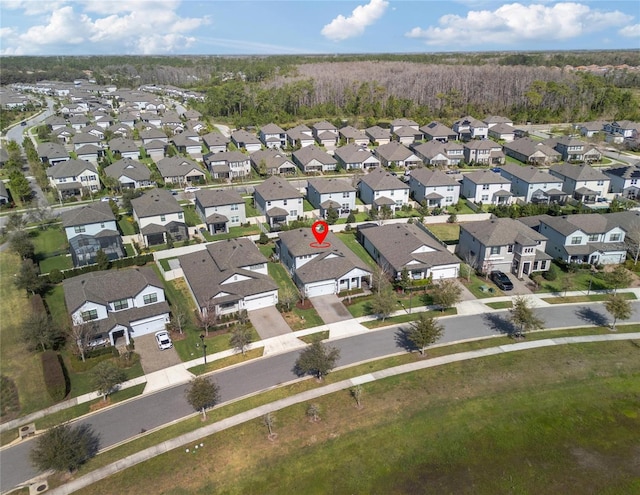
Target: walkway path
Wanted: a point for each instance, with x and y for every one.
(194, 439)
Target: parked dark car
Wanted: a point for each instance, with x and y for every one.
(501, 280)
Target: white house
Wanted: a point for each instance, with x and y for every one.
(487, 187)
(279, 201)
(220, 209)
(625, 180)
(379, 188)
(433, 186)
(325, 194)
(533, 185)
(159, 216)
(73, 178)
(273, 136)
(582, 181)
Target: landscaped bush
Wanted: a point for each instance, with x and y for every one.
(55, 276)
(551, 274)
(9, 401)
(54, 376)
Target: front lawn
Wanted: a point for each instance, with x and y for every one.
(481, 287)
(361, 306)
(583, 280)
(394, 320)
(462, 208)
(360, 217)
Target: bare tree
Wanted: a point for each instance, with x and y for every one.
(81, 333)
(269, 420)
(288, 297)
(632, 240)
(178, 318)
(313, 412)
(208, 316)
(356, 393)
(241, 337)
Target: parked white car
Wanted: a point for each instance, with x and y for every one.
(191, 189)
(163, 340)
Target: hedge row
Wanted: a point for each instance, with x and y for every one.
(54, 377)
(57, 276)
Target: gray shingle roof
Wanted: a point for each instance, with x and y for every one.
(177, 166)
(353, 153)
(130, 168)
(122, 145)
(530, 174)
(70, 168)
(429, 177)
(275, 188)
(485, 177)
(578, 172)
(394, 151)
(309, 153)
(155, 202)
(330, 185)
(381, 180)
(501, 232)
(86, 214)
(218, 197)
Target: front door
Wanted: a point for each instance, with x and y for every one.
(526, 267)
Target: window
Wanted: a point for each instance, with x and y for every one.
(495, 249)
(180, 215)
(293, 213)
(163, 218)
(601, 183)
(268, 203)
(284, 202)
(79, 229)
(485, 187)
(345, 194)
(510, 248)
(235, 219)
(392, 192)
(449, 188)
(234, 207)
(92, 314)
(593, 238)
(535, 265)
(576, 239)
(448, 199)
(614, 237)
(485, 197)
(121, 304)
(150, 298)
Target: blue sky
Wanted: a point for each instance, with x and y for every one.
(90, 27)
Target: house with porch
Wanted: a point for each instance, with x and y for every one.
(220, 209)
(272, 162)
(379, 188)
(468, 128)
(377, 135)
(486, 187)
(180, 170)
(215, 142)
(406, 246)
(435, 131)
(433, 186)
(532, 152)
(620, 130)
(582, 182)
(503, 244)
(320, 271)
(625, 180)
(228, 164)
(574, 150)
(351, 135)
(90, 228)
(228, 277)
(279, 201)
(312, 159)
(159, 216)
(245, 140)
(396, 154)
(74, 178)
(534, 185)
(355, 157)
(483, 151)
(116, 304)
(130, 173)
(326, 194)
(273, 136)
(300, 136)
(438, 154)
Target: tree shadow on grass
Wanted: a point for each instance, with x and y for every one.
(592, 316)
(500, 324)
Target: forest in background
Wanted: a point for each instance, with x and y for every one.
(368, 89)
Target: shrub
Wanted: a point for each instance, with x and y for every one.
(351, 218)
(264, 238)
(55, 276)
(551, 274)
(54, 376)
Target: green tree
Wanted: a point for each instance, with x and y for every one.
(332, 216)
(523, 317)
(64, 448)
(383, 303)
(618, 278)
(19, 185)
(102, 260)
(21, 243)
(405, 279)
(106, 376)
(351, 218)
(317, 359)
(241, 337)
(356, 393)
(288, 297)
(202, 393)
(29, 279)
(447, 293)
(619, 308)
(425, 331)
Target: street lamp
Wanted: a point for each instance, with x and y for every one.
(204, 349)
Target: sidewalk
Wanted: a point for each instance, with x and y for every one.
(179, 374)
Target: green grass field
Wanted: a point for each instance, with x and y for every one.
(351, 242)
(500, 424)
(249, 209)
(445, 231)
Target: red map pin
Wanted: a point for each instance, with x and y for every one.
(320, 229)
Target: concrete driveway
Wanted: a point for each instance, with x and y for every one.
(268, 322)
(331, 309)
(152, 358)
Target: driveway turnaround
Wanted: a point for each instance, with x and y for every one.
(331, 309)
(268, 322)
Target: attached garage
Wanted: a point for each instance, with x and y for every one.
(260, 301)
(149, 325)
(445, 271)
(323, 288)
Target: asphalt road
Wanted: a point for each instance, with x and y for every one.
(149, 411)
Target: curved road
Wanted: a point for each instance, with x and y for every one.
(123, 422)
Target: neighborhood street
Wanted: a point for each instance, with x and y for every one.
(129, 419)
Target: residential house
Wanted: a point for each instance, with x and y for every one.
(220, 209)
(180, 170)
(279, 201)
(245, 140)
(435, 131)
(487, 187)
(494, 120)
(397, 124)
(55, 122)
(574, 150)
(159, 216)
(591, 129)
(117, 304)
(90, 153)
(272, 162)
(188, 143)
(125, 148)
(74, 178)
(584, 238)
(396, 154)
(625, 180)
(273, 136)
(379, 188)
(326, 134)
(52, 153)
(483, 151)
(355, 157)
(438, 154)
(79, 121)
(534, 185)
(433, 186)
(311, 159)
(503, 132)
(406, 246)
(621, 130)
(63, 135)
(130, 173)
(215, 142)
(90, 228)
(192, 115)
(121, 130)
(470, 128)
(326, 194)
(155, 149)
(95, 130)
(153, 134)
(228, 164)
(503, 244)
(582, 182)
(532, 152)
(228, 277)
(318, 270)
(81, 139)
(377, 135)
(4, 194)
(300, 136)
(351, 135)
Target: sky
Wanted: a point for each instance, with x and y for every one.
(269, 27)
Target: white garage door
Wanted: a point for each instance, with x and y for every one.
(259, 302)
(323, 289)
(148, 326)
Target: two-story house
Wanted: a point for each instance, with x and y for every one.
(621, 130)
(434, 187)
(130, 173)
(493, 120)
(116, 304)
(355, 157)
(503, 244)
(406, 246)
(220, 209)
(279, 201)
(336, 194)
(159, 217)
(228, 277)
(90, 228)
(487, 187)
(319, 271)
(379, 188)
(311, 159)
(534, 185)
(272, 162)
(483, 151)
(180, 170)
(531, 152)
(245, 140)
(582, 182)
(228, 164)
(574, 150)
(74, 178)
(396, 154)
(439, 154)
(273, 136)
(405, 131)
(470, 128)
(625, 180)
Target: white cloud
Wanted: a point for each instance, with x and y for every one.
(342, 28)
(31, 7)
(516, 22)
(630, 31)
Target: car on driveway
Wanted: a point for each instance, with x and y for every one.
(163, 340)
(191, 189)
(501, 280)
